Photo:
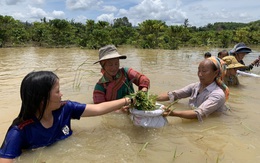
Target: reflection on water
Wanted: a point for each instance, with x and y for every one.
(233, 137)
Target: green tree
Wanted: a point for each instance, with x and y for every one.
(98, 34)
(151, 33)
(121, 31)
(241, 35)
(186, 23)
(174, 34)
(6, 23)
(79, 33)
(148, 34)
(41, 34)
(223, 38)
(62, 32)
(254, 30)
(121, 22)
(12, 31)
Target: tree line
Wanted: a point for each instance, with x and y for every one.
(150, 34)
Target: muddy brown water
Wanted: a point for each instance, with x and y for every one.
(232, 137)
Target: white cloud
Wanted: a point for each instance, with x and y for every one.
(58, 14)
(110, 9)
(153, 9)
(19, 16)
(40, 2)
(106, 17)
(244, 15)
(81, 18)
(37, 12)
(173, 12)
(81, 4)
(122, 12)
(202, 12)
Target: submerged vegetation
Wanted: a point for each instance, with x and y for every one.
(150, 34)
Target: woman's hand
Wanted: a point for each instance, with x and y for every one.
(144, 89)
(125, 109)
(256, 62)
(128, 103)
(166, 112)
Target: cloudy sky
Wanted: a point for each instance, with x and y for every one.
(173, 12)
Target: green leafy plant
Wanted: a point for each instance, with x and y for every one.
(144, 101)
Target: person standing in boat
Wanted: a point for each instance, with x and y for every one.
(239, 51)
(116, 82)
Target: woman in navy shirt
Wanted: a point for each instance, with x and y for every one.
(44, 118)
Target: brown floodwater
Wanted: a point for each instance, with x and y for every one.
(232, 137)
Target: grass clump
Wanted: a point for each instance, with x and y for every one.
(144, 101)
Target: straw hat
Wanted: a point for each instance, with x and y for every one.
(240, 48)
(109, 52)
(232, 62)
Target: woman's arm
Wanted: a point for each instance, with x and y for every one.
(188, 114)
(177, 94)
(5, 160)
(163, 97)
(105, 107)
(139, 79)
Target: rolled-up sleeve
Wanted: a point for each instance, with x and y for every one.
(186, 91)
(138, 79)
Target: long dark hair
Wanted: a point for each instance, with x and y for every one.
(35, 93)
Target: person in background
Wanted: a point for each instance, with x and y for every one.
(222, 53)
(207, 55)
(239, 51)
(116, 82)
(206, 96)
(44, 118)
(233, 65)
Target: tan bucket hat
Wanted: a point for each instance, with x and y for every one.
(109, 52)
(232, 62)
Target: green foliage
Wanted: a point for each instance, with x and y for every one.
(150, 34)
(12, 32)
(62, 32)
(241, 35)
(122, 22)
(97, 35)
(223, 38)
(144, 101)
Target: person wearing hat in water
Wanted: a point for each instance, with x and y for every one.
(116, 82)
(206, 96)
(239, 51)
(232, 66)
